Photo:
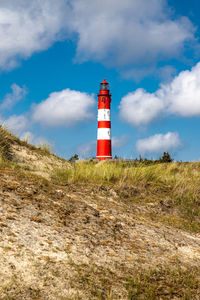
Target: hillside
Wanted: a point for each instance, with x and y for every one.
(107, 230)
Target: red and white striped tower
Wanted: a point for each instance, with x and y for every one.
(104, 125)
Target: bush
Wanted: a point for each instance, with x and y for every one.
(165, 158)
(74, 158)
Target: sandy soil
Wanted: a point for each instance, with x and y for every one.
(53, 239)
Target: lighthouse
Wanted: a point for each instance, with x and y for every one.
(104, 150)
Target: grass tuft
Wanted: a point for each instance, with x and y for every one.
(45, 148)
(5, 144)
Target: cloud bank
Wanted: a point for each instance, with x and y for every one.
(159, 143)
(120, 34)
(27, 27)
(65, 108)
(140, 107)
(181, 97)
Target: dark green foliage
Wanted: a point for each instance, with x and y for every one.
(74, 158)
(165, 158)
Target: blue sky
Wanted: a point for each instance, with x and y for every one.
(54, 54)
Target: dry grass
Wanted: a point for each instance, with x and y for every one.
(108, 172)
(5, 147)
(158, 283)
(165, 283)
(173, 188)
(7, 139)
(46, 148)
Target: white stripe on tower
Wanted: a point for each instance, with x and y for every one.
(104, 134)
(103, 114)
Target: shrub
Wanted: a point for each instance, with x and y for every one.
(74, 158)
(165, 158)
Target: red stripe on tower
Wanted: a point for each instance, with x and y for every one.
(104, 124)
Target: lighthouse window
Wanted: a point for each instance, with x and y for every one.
(104, 86)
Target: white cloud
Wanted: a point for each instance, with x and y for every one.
(180, 97)
(140, 107)
(159, 143)
(120, 33)
(119, 141)
(64, 108)
(18, 93)
(29, 26)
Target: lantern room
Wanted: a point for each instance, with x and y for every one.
(104, 85)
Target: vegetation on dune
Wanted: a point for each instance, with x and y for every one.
(141, 284)
(7, 139)
(164, 283)
(171, 186)
(99, 283)
(100, 227)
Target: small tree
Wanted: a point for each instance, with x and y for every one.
(165, 158)
(74, 158)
